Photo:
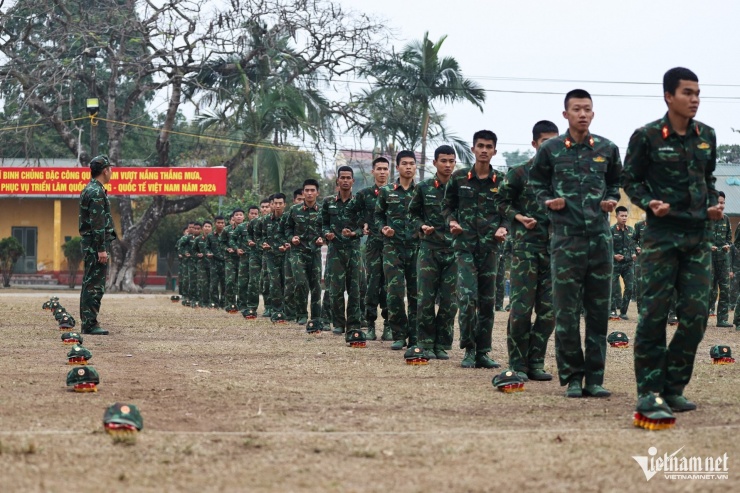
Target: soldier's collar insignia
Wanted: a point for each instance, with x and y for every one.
(436, 183)
(395, 186)
(599, 159)
(591, 140)
(703, 145)
(377, 190)
(665, 131)
(493, 177)
(696, 128)
(568, 143)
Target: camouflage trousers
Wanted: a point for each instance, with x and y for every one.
(621, 302)
(476, 286)
(255, 278)
(276, 279)
(307, 273)
(326, 296)
(637, 292)
(264, 282)
(500, 283)
(343, 267)
(721, 282)
(204, 281)
(93, 289)
(531, 290)
(242, 284)
(677, 260)
(436, 277)
(399, 268)
(184, 281)
(375, 293)
(180, 262)
(218, 282)
(290, 295)
(231, 271)
(581, 268)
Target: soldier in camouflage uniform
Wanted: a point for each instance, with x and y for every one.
(97, 232)
(361, 213)
(624, 259)
(273, 244)
(254, 243)
(669, 173)
(239, 243)
(231, 264)
(436, 267)
(203, 263)
(734, 259)
(289, 305)
(721, 242)
(531, 277)
(576, 175)
(185, 248)
(303, 228)
(400, 250)
(181, 268)
(343, 262)
(266, 212)
(471, 212)
(503, 258)
(217, 255)
(637, 239)
(327, 273)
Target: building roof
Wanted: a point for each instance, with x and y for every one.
(728, 181)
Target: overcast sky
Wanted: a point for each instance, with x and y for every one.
(498, 42)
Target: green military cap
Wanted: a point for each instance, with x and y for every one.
(78, 355)
(71, 338)
(508, 381)
(721, 355)
(55, 305)
(99, 163)
(46, 305)
(249, 313)
(123, 416)
(356, 338)
(277, 317)
(416, 356)
(83, 379)
(652, 413)
(213, 306)
(618, 339)
(67, 321)
(314, 326)
(59, 313)
(54, 298)
(232, 309)
(174, 298)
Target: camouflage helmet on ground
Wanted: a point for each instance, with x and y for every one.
(123, 415)
(78, 355)
(508, 381)
(618, 339)
(71, 338)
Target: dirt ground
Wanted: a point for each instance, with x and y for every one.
(236, 405)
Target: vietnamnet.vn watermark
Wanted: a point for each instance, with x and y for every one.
(674, 466)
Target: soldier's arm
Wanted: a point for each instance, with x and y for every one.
(636, 162)
(96, 208)
(451, 201)
(380, 208)
(289, 226)
(416, 207)
(613, 172)
(728, 232)
(712, 193)
(508, 193)
(540, 176)
(325, 218)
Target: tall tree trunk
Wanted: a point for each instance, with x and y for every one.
(255, 172)
(424, 132)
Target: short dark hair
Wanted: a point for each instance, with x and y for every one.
(345, 168)
(672, 79)
(271, 197)
(381, 159)
(620, 208)
(576, 94)
(219, 218)
(485, 135)
(543, 127)
(403, 154)
(279, 195)
(309, 182)
(196, 223)
(238, 209)
(297, 192)
(253, 208)
(265, 201)
(190, 223)
(443, 149)
(207, 222)
(186, 227)
(722, 194)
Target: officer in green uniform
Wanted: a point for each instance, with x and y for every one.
(361, 214)
(303, 228)
(400, 250)
(289, 305)
(203, 265)
(273, 244)
(721, 243)
(436, 269)
(576, 175)
(669, 173)
(254, 243)
(217, 255)
(471, 212)
(624, 259)
(231, 265)
(239, 243)
(97, 232)
(531, 277)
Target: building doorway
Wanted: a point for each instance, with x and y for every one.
(28, 238)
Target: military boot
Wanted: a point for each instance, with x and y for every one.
(469, 360)
(387, 333)
(483, 361)
(679, 403)
(370, 335)
(575, 388)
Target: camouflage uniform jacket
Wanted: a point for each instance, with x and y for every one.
(226, 241)
(200, 245)
(721, 236)
(639, 231)
(361, 210)
(677, 169)
(425, 208)
(516, 196)
(624, 242)
(474, 203)
(334, 218)
(215, 246)
(392, 210)
(180, 245)
(584, 175)
(239, 237)
(96, 223)
(271, 233)
(305, 223)
(254, 233)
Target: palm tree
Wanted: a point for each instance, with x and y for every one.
(419, 74)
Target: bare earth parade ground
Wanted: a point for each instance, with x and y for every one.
(236, 405)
